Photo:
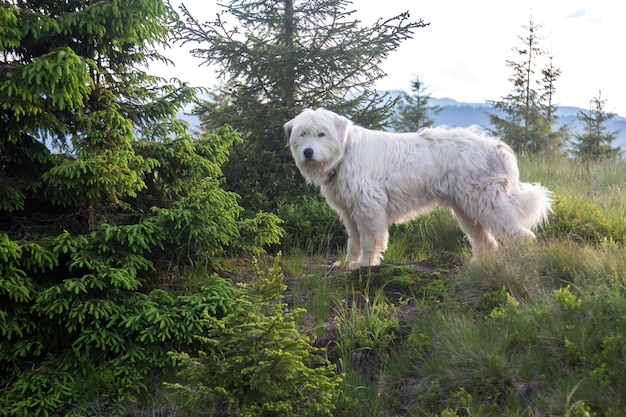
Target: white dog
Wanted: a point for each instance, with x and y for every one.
(375, 178)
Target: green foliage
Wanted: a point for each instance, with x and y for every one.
(581, 220)
(60, 73)
(112, 217)
(434, 232)
(208, 222)
(109, 341)
(56, 60)
(43, 393)
(187, 185)
(310, 224)
(566, 300)
(367, 329)
(254, 361)
(183, 162)
(257, 233)
(595, 141)
(96, 319)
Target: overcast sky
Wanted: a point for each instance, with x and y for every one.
(462, 54)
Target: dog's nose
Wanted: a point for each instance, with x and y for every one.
(308, 153)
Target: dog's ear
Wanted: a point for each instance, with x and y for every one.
(288, 127)
(342, 124)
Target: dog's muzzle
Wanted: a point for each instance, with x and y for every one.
(308, 154)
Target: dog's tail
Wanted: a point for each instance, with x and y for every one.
(535, 203)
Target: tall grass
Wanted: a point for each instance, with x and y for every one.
(587, 193)
(431, 233)
(603, 182)
(524, 341)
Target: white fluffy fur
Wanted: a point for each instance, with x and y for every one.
(375, 178)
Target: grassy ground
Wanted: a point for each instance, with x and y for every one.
(537, 329)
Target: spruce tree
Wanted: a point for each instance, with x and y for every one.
(278, 57)
(595, 140)
(104, 196)
(526, 117)
(413, 111)
(255, 361)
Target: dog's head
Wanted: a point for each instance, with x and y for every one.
(317, 140)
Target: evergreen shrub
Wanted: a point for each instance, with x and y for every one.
(255, 361)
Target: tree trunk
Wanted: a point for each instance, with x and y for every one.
(289, 80)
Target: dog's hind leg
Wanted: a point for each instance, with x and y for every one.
(502, 219)
(480, 237)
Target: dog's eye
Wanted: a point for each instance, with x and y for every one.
(321, 134)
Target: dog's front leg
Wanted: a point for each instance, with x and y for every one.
(372, 247)
(353, 250)
(374, 232)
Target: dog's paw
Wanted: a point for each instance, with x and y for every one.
(346, 264)
(354, 265)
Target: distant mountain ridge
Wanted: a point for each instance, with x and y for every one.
(455, 113)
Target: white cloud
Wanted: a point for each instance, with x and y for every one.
(577, 14)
